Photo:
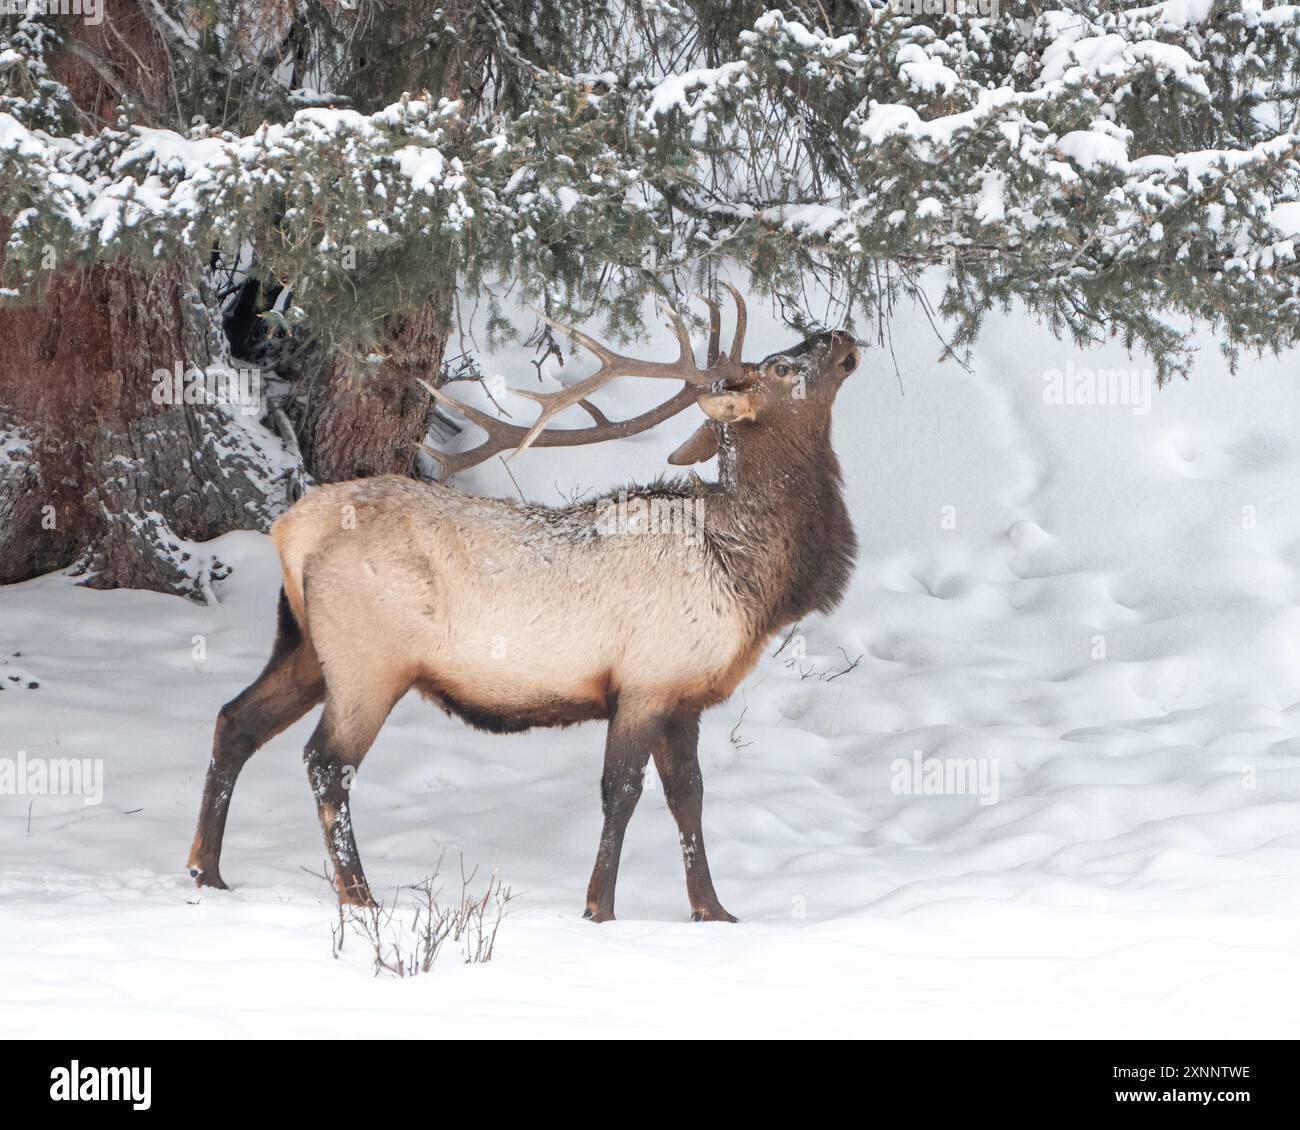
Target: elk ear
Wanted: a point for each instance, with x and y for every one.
(732, 406)
(701, 447)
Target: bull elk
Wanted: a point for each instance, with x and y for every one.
(515, 615)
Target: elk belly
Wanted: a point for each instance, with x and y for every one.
(499, 715)
(503, 671)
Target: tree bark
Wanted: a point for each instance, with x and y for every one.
(100, 477)
(369, 416)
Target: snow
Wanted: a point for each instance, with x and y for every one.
(568, 199)
(1177, 13)
(165, 149)
(773, 24)
(884, 119)
(1090, 148)
(1003, 153)
(424, 166)
(673, 92)
(991, 207)
(1286, 217)
(1098, 604)
(162, 175)
(15, 138)
(819, 218)
(1072, 59)
(921, 72)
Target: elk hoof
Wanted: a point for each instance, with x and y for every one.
(713, 914)
(596, 915)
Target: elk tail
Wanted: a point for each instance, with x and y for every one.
(289, 635)
(289, 543)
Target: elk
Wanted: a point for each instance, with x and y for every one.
(513, 615)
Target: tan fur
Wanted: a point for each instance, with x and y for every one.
(494, 605)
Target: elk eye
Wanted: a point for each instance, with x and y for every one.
(783, 370)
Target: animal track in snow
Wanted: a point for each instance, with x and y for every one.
(1204, 454)
(14, 677)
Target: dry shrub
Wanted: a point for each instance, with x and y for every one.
(407, 940)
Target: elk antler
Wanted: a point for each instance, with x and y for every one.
(502, 436)
(718, 367)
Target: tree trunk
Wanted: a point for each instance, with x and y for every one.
(99, 476)
(368, 417)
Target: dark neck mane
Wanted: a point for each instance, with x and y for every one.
(782, 532)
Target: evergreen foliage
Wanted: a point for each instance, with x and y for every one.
(1119, 170)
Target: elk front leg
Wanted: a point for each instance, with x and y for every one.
(678, 763)
(633, 734)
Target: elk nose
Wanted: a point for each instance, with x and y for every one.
(844, 353)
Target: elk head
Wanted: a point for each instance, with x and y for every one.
(786, 397)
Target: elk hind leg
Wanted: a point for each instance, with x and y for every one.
(288, 687)
(678, 762)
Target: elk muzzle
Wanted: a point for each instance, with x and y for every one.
(845, 354)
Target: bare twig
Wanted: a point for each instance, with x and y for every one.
(735, 730)
(852, 664)
(407, 947)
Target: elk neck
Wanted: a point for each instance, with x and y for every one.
(782, 530)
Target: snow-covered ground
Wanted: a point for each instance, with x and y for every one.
(1094, 607)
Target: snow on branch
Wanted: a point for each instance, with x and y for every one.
(1112, 167)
